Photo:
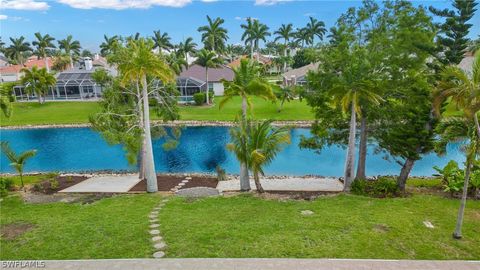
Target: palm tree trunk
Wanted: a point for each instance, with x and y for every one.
(285, 55)
(477, 125)
(362, 150)
(149, 160)
(258, 185)
(141, 161)
(457, 234)
(258, 52)
(71, 61)
(186, 58)
(244, 177)
(350, 160)
(404, 173)
(208, 88)
(251, 50)
(46, 63)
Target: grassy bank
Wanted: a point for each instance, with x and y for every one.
(33, 113)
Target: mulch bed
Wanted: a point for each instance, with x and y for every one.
(46, 187)
(167, 182)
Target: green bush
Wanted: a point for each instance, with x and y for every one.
(199, 98)
(53, 183)
(382, 187)
(211, 95)
(452, 177)
(6, 184)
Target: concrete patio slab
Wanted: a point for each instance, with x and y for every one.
(105, 184)
(245, 264)
(287, 184)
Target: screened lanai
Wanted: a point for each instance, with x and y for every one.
(187, 87)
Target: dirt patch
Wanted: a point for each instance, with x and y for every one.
(54, 184)
(167, 182)
(381, 228)
(39, 198)
(13, 230)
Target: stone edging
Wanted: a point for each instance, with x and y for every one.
(299, 124)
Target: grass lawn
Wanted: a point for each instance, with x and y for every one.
(76, 112)
(115, 227)
(343, 226)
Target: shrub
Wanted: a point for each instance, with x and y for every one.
(221, 175)
(53, 183)
(452, 177)
(199, 98)
(211, 95)
(382, 187)
(6, 184)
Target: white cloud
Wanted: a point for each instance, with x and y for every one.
(123, 4)
(309, 14)
(24, 4)
(3, 17)
(269, 2)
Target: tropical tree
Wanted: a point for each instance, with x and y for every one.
(17, 50)
(214, 36)
(17, 161)
(32, 81)
(254, 33)
(187, 47)
(176, 62)
(43, 44)
(248, 35)
(285, 94)
(136, 62)
(70, 47)
(464, 91)
(263, 143)
(162, 41)
(303, 37)
(6, 98)
(108, 45)
(286, 33)
(314, 28)
(207, 59)
(246, 83)
(61, 61)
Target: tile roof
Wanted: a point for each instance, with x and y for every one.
(300, 72)
(214, 74)
(263, 59)
(40, 63)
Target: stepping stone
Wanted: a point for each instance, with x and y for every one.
(307, 212)
(181, 184)
(173, 189)
(198, 192)
(165, 200)
(154, 232)
(154, 225)
(188, 178)
(157, 208)
(178, 187)
(185, 181)
(153, 216)
(428, 224)
(154, 213)
(160, 245)
(158, 254)
(157, 238)
(153, 220)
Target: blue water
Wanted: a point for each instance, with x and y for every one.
(201, 149)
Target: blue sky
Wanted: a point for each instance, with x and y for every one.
(88, 20)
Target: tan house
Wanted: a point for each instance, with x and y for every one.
(298, 76)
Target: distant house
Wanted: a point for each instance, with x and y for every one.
(12, 73)
(3, 61)
(298, 76)
(193, 80)
(266, 60)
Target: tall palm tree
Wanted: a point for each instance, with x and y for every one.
(254, 33)
(108, 45)
(207, 59)
(136, 62)
(285, 32)
(246, 83)
(248, 35)
(162, 41)
(214, 36)
(315, 28)
(17, 161)
(464, 91)
(71, 47)
(43, 45)
(37, 81)
(176, 62)
(47, 81)
(303, 37)
(187, 47)
(17, 50)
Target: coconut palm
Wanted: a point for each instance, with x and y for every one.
(246, 83)
(47, 81)
(108, 45)
(162, 41)
(17, 50)
(207, 59)
(37, 81)
(176, 62)
(285, 32)
(17, 161)
(464, 91)
(248, 35)
(214, 36)
(303, 37)
(136, 62)
(70, 46)
(254, 33)
(285, 94)
(315, 28)
(43, 44)
(187, 47)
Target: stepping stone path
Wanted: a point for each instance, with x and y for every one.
(157, 240)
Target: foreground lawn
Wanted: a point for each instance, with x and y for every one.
(343, 226)
(76, 112)
(110, 228)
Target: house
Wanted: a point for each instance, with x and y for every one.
(265, 60)
(13, 73)
(3, 61)
(193, 80)
(298, 76)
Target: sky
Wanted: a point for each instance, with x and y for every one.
(89, 20)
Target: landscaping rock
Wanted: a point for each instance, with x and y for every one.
(154, 220)
(307, 212)
(160, 245)
(153, 216)
(428, 224)
(154, 225)
(188, 178)
(197, 192)
(154, 232)
(185, 181)
(154, 213)
(157, 238)
(158, 254)
(181, 184)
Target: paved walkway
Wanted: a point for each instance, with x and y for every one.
(254, 264)
(105, 184)
(288, 184)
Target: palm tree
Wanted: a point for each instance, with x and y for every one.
(17, 161)
(314, 29)
(6, 98)
(286, 94)
(47, 81)
(464, 92)
(108, 45)
(70, 46)
(254, 33)
(187, 47)
(17, 50)
(135, 63)
(43, 44)
(303, 36)
(37, 81)
(246, 83)
(162, 41)
(248, 35)
(214, 36)
(176, 62)
(285, 32)
(207, 59)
